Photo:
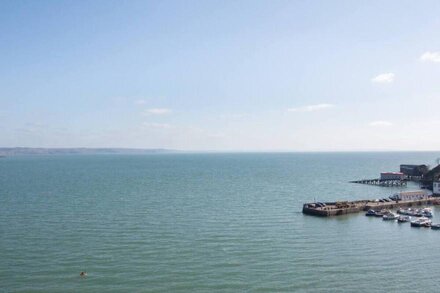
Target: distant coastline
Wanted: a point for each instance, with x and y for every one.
(17, 151)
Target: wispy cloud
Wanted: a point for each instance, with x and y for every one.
(430, 57)
(233, 116)
(380, 123)
(140, 102)
(157, 125)
(158, 111)
(384, 78)
(311, 108)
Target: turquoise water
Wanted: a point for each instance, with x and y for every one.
(204, 223)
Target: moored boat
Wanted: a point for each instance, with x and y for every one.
(371, 213)
(435, 226)
(427, 212)
(421, 222)
(407, 212)
(403, 219)
(402, 211)
(416, 223)
(427, 224)
(382, 212)
(389, 216)
(418, 213)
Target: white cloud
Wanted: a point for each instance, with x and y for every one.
(311, 108)
(430, 57)
(157, 111)
(216, 135)
(140, 102)
(384, 78)
(157, 125)
(380, 123)
(233, 115)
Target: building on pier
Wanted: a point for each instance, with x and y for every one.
(392, 176)
(430, 178)
(410, 195)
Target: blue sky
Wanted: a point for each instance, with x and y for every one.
(221, 75)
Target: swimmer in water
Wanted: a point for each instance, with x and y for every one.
(83, 274)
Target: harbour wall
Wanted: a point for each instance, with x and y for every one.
(349, 207)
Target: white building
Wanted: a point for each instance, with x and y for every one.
(410, 195)
(436, 187)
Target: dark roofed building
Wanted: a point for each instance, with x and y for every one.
(414, 170)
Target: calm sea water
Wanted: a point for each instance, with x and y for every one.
(204, 223)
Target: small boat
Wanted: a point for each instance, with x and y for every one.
(435, 226)
(403, 219)
(371, 213)
(427, 212)
(416, 223)
(427, 224)
(407, 212)
(418, 213)
(381, 213)
(421, 222)
(389, 216)
(410, 212)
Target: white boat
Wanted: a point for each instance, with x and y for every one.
(435, 226)
(382, 212)
(421, 222)
(427, 212)
(371, 213)
(403, 211)
(390, 216)
(403, 219)
(407, 212)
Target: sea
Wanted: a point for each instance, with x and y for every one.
(206, 222)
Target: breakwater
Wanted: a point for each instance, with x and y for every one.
(349, 207)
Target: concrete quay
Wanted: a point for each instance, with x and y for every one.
(349, 207)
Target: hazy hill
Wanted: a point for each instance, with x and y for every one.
(64, 151)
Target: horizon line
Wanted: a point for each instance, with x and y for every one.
(217, 151)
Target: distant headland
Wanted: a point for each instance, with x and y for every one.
(15, 151)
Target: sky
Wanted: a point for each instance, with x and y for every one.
(221, 75)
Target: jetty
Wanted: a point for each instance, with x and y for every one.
(386, 179)
(328, 209)
(381, 182)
